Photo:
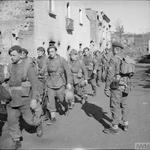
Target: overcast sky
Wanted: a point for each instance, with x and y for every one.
(133, 14)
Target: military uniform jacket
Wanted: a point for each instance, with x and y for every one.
(98, 62)
(4, 94)
(41, 61)
(90, 64)
(78, 70)
(113, 70)
(58, 72)
(20, 74)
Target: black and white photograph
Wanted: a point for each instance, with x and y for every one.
(74, 74)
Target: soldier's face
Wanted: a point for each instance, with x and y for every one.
(23, 55)
(15, 56)
(74, 56)
(52, 52)
(116, 50)
(40, 53)
(86, 52)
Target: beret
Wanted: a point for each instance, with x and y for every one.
(117, 44)
(73, 51)
(41, 49)
(25, 50)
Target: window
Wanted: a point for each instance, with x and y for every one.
(80, 17)
(69, 21)
(68, 10)
(52, 9)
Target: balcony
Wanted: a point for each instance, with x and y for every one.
(69, 25)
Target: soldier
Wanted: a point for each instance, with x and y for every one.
(105, 63)
(118, 100)
(58, 79)
(24, 53)
(92, 47)
(5, 97)
(23, 89)
(41, 62)
(79, 74)
(91, 68)
(99, 67)
(80, 55)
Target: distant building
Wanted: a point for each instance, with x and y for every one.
(68, 23)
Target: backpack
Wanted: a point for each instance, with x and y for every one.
(127, 66)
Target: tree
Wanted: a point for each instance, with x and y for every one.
(119, 29)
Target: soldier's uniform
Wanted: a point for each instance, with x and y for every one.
(79, 75)
(99, 68)
(23, 87)
(4, 97)
(41, 61)
(90, 65)
(105, 63)
(58, 76)
(118, 99)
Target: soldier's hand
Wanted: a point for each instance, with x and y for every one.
(33, 104)
(107, 92)
(69, 87)
(94, 71)
(86, 82)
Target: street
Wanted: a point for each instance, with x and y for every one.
(83, 126)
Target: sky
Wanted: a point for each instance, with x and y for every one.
(134, 15)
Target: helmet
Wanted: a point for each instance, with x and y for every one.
(69, 95)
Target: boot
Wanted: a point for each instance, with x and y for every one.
(39, 130)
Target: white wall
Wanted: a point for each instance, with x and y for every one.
(48, 28)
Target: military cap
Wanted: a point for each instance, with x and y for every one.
(15, 48)
(52, 43)
(73, 52)
(85, 49)
(50, 48)
(41, 49)
(117, 44)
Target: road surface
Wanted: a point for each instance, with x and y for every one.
(79, 130)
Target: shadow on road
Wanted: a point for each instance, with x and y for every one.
(97, 113)
(24, 125)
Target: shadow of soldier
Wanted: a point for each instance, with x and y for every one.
(2, 123)
(97, 113)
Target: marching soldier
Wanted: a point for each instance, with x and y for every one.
(23, 89)
(41, 62)
(105, 63)
(99, 67)
(80, 55)
(79, 75)
(118, 100)
(5, 97)
(58, 79)
(91, 68)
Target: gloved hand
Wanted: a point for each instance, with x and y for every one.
(86, 82)
(107, 92)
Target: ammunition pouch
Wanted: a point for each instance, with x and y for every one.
(23, 90)
(114, 85)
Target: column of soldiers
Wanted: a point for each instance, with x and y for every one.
(56, 84)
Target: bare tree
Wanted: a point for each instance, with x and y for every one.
(119, 29)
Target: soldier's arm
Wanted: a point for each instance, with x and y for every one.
(84, 71)
(95, 64)
(67, 71)
(31, 75)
